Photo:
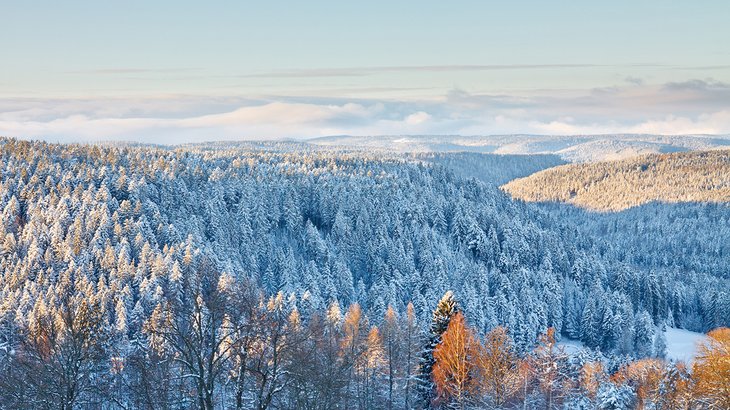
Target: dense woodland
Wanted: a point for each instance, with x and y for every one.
(617, 185)
(231, 277)
(491, 168)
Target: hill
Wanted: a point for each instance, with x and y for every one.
(617, 185)
(143, 262)
(571, 148)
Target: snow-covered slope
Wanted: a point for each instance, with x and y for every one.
(701, 176)
(682, 344)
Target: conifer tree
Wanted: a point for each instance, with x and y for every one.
(445, 310)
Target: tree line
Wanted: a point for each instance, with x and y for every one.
(222, 344)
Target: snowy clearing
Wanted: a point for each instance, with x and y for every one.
(682, 344)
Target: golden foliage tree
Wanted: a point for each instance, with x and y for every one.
(374, 368)
(590, 378)
(354, 350)
(455, 367)
(645, 376)
(391, 345)
(711, 369)
(62, 355)
(547, 361)
(411, 346)
(676, 388)
(498, 366)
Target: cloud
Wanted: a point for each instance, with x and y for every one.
(698, 85)
(365, 71)
(690, 107)
(259, 121)
(130, 70)
(706, 67)
(704, 124)
(417, 118)
(279, 113)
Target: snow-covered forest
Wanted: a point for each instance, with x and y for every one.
(700, 176)
(274, 276)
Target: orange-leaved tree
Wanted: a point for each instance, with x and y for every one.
(590, 378)
(711, 369)
(676, 388)
(645, 376)
(548, 361)
(498, 366)
(454, 370)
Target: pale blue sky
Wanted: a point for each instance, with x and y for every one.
(225, 70)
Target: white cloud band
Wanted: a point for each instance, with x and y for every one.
(693, 107)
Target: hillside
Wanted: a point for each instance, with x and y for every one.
(139, 260)
(491, 168)
(617, 185)
(572, 148)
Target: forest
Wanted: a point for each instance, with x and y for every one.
(225, 276)
(699, 176)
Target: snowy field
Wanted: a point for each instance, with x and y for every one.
(571, 346)
(682, 344)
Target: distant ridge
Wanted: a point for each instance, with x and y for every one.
(571, 148)
(616, 185)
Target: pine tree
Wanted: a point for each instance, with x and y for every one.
(589, 333)
(445, 310)
(612, 397)
(660, 344)
(643, 335)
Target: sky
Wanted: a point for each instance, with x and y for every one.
(182, 71)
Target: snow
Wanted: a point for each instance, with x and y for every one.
(581, 148)
(682, 344)
(571, 346)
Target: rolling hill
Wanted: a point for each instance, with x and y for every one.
(617, 185)
(574, 148)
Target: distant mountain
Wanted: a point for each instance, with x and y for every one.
(616, 185)
(580, 148)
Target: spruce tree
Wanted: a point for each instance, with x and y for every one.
(442, 315)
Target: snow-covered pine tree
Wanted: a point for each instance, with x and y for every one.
(442, 315)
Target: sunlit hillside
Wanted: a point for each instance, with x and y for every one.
(617, 185)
